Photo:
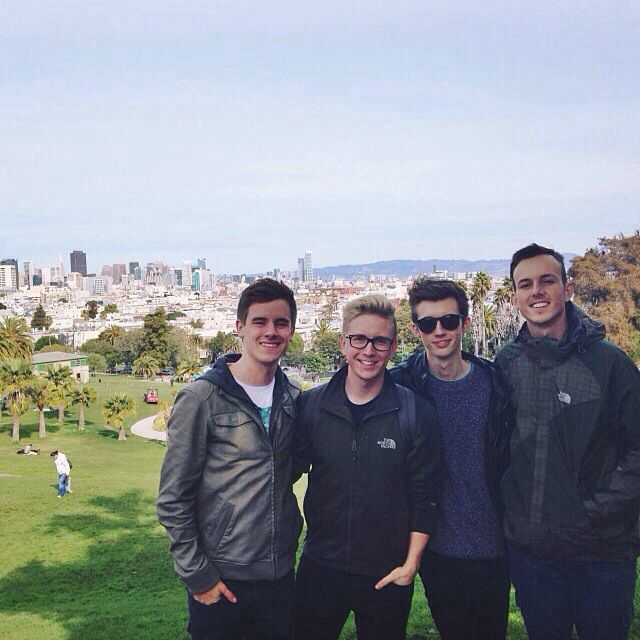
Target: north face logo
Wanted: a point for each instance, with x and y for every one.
(387, 443)
(564, 397)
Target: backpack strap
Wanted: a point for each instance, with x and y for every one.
(407, 412)
(312, 408)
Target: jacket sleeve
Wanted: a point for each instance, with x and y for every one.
(424, 467)
(621, 488)
(179, 480)
(302, 440)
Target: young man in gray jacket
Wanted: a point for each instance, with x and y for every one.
(226, 497)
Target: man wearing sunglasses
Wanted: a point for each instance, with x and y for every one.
(373, 486)
(464, 570)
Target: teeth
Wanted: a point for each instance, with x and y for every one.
(538, 305)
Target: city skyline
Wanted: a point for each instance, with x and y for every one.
(156, 131)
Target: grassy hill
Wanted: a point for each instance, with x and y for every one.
(95, 565)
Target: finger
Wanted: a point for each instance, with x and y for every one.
(385, 581)
(227, 593)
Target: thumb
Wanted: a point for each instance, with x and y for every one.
(226, 592)
(385, 581)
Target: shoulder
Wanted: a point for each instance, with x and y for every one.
(199, 390)
(425, 410)
(507, 355)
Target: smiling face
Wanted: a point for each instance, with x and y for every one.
(441, 344)
(368, 364)
(266, 332)
(541, 295)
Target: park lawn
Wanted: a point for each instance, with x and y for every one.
(95, 565)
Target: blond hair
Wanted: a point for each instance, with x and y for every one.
(375, 304)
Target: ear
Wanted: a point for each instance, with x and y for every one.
(416, 332)
(343, 344)
(568, 290)
(239, 329)
(466, 323)
(513, 299)
(394, 348)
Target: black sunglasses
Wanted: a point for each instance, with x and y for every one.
(449, 322)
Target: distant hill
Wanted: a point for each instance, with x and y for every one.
(404, 268)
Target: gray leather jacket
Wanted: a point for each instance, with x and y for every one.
(226, 497)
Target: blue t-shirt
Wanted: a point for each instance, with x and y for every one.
(467, 525)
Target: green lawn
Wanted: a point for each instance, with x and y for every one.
(95, 565)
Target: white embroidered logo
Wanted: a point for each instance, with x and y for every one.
(564, 397)
(387, 443)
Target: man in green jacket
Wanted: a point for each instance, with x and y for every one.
(572, 490)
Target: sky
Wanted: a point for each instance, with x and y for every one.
(250, 132)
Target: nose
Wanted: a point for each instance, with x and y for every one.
(439, 330)
(537, 288)
(369, 350)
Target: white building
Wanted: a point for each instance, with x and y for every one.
(8, 277)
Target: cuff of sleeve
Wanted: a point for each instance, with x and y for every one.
(203, 580)
(422, 522)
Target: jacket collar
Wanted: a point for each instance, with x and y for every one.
(334, 399)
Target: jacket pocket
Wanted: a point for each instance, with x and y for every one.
(231, 418)
(216, 530)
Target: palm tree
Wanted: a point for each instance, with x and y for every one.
(42, 394)
(15, 340)
(146, 364)
(188, 369)
(196, 340)
(112, 334)
(503, 293)
(480, 287)
(15, 379)
(83, 396)
(507, 316)
(116, 409)
(321, 330)
(489, 319)
(61, 378)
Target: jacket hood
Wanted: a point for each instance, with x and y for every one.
(222, 377)
(581, 331)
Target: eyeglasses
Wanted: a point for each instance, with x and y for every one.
(380, 343)
(449, 322)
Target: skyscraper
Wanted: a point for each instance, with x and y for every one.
(117, 271)
(11, 278)
(29, 272)
(308, 267)
(78, 260)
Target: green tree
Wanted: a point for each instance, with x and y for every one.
(40, 319)
(156, 336)
(294, 352)
(16, 377)
(407, 342)
(111, 334)
(172, 315)
(146, 365)
(91, 310)
(112, 355)
(313, 362)
(56, 347)
(196, 324)
(96, 362)
(479, 291)
(108, 309)
(328, 347)
(606, 283)
(15, 341)
(83, 396)
(188, 369)
(116, 409)
(45, 341)
(224, 343)
(41, 392)
(61, 378)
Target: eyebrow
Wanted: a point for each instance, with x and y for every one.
(544, 275)
(264, 319)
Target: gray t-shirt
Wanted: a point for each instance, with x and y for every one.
(467, 525)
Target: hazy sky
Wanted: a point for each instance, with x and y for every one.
(249, 132)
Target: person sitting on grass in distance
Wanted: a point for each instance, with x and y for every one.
(226, 497)
(464, 570)
(372, 453)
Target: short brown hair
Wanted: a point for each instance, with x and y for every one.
(425, 288)
(266, 290)
(375, 304)
(532, 251)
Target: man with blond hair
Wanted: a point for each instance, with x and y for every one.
(373, 486)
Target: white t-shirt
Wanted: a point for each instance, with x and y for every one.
(262, 397)
(62, 464)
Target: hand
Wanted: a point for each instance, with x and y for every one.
(402, 576)
(215, 594)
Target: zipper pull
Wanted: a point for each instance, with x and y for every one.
(353, 448)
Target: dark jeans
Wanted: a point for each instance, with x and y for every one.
(553, 595)
(468, 599)
(264, 611)
(324, 598)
